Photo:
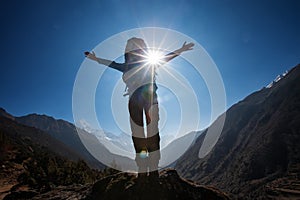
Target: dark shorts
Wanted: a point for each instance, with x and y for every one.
(141, 102)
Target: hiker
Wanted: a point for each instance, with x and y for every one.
(139, 76)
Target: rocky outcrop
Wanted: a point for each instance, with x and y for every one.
(126, 186)
(168, 186)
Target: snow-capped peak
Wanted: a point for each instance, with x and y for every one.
(83, 124)
(278, 78)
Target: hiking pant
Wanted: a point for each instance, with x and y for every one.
(147, 147)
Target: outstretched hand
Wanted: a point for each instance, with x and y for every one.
(186, 47)
(91, 56)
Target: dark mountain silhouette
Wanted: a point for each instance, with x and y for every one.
(72, 137)
(63, 131)
(58, 135)
(3, 113)
(32, 162)
(258, 152)
(14, 130)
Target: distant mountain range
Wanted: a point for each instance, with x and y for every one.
(64, 135)
(71, 137)
(258, 152)
(64, 132)
(13, 129)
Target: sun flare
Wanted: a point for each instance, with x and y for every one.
(154, 57)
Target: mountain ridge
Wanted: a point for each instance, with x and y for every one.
(72, 137)
(32, 162)
(38, 136)
(258, 143)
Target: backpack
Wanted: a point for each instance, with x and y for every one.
(136, 75)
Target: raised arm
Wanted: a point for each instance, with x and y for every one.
(185, 47)
(105, 62)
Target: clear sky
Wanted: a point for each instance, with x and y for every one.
(42, 43)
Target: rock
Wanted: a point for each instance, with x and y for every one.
(20, 195)
(168, 186)
(127, 186)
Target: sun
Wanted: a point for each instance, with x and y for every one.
(154, 57)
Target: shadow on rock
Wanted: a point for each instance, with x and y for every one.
(168, 186)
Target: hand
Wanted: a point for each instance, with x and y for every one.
(186, 47)
(91, 56)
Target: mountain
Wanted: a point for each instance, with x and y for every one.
(5, 114)
(72, 137)
(258, 152)
(67, 134)
(32, 162)
(13, 129)
(61, 130)
(122, 140)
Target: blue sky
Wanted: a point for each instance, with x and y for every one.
(42, 43)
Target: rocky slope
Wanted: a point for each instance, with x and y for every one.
(258, 153)
(72, 137)
(19, 134)
(32, 162)
(63, 131)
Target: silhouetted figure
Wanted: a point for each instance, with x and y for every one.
(139, 76)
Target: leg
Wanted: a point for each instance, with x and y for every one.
(135, 108)
(141, 157)
(153, 139)
(152, 118)
(154, 154)
(138, 136)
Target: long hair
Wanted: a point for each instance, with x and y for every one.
(133, 44)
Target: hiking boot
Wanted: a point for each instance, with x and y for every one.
(153, 177)
(142, 178)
